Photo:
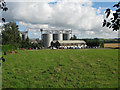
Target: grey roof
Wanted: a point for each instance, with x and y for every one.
(71, 41)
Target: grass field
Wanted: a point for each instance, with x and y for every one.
(86, 68)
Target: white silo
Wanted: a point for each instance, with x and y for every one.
(67, 36)
(58, 36)
(24, 35)
(47, 38)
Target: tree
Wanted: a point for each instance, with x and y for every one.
(11, 35)
(113, 23)
(57, 44)
(52, 44)
(92, 42)
(25, 43)
(74, 37)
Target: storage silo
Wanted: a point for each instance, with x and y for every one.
(67, 36)
(58, 36)
(46, 39)
(24, 35)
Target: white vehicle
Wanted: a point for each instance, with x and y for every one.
(65, 47)
(73, 47)
(79, 47)
(85, 46)
(68, 47)
(53, 48)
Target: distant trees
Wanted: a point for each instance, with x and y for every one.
(25, 43)
(92, 42)
(74, 37)
(55, 44)
(114, 22)
(52, 44)
(11, 35)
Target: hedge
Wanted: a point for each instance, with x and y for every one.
(6, 48)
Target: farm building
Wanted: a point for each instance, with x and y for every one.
(71, 43)
(62, 37)
(111, 45)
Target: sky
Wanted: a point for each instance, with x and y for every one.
(84, 17)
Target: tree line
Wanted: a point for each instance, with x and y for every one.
(97, 41)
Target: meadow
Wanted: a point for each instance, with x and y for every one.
(85, 68)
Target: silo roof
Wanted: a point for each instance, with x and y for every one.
(24, 32)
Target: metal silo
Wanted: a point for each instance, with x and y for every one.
(24, 35)
(58, 36)
(67, 36)
(47, 38)
(70, 35)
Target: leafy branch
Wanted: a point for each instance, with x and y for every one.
(114, 22)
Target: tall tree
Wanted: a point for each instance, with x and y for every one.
(11, 35)
(113, 23)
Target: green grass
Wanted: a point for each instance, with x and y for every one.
(86, 68)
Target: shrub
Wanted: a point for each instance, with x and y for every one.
(7, 48)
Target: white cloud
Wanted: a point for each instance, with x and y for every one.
(79, 16)
(90, 32)
(36, 34)
(33, 26)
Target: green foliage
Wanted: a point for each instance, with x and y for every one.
(11, 35)
(74, 37)
(92, 42)
(113, 23)
(7, 48)
(111, 40)
(86, 68)
(25, 43)
(34, 45)
(101, 43)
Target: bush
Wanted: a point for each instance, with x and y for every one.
(7, 48)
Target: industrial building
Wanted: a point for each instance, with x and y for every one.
(24, 34)
(50, 35)
(72, 43)
(62, 36)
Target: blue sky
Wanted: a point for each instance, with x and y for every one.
(68, 16)
(104, 5)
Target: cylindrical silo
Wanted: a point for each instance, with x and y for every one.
(57, 36)
(24, 35)
(67, 36)
(47, 38)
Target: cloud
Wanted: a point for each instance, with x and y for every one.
(36, 34)
(90, 32)
(79, 15)
(33, 26)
